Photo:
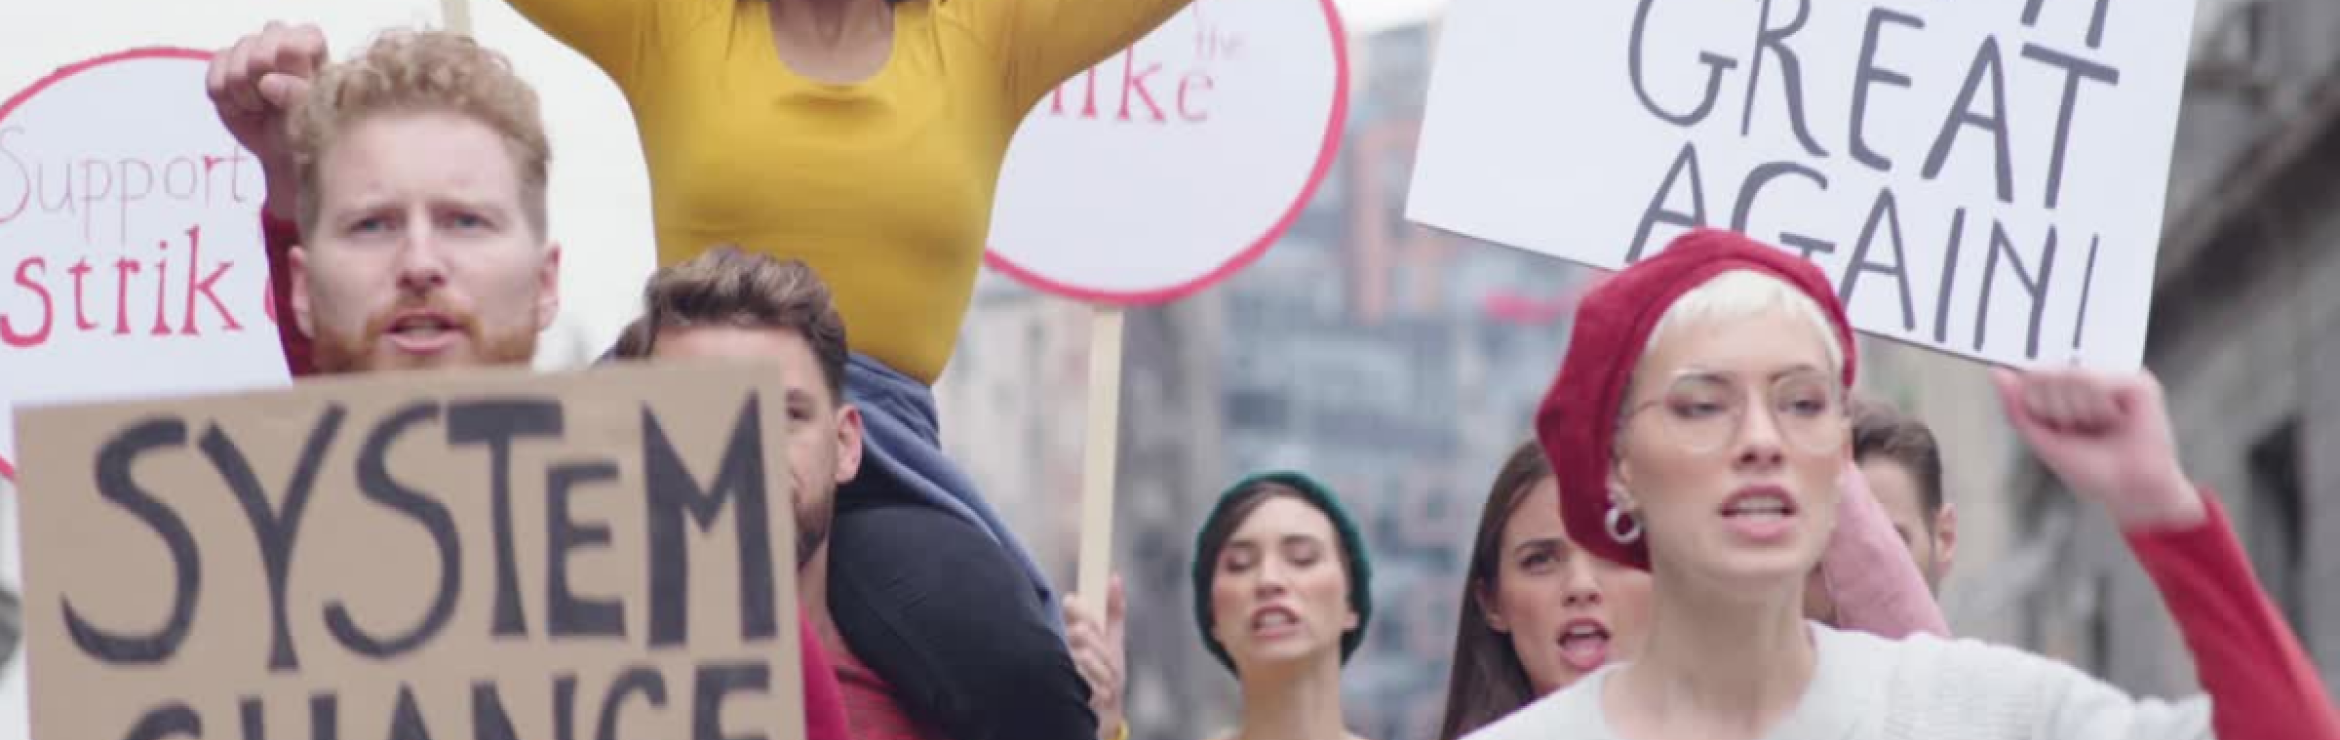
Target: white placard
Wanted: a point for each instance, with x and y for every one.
(1985, 178)
(1179, 161)
(130, 256)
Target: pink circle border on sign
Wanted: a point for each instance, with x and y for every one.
(8, 470)
(1334, 130)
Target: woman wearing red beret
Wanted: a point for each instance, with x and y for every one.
(1540, 611)
(1698, 431)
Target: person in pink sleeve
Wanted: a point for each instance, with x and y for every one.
(1866, 581)
(1899, 474)
(1902, 463)
(1698, 430)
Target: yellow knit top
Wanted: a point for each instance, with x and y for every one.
(883, 186)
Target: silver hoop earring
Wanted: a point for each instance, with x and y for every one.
(1623, 527)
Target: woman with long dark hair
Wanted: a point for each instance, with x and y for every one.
(1538, 612)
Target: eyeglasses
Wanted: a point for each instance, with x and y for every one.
(1703, 412)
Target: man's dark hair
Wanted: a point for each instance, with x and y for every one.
(727, 286)
(1881, 430)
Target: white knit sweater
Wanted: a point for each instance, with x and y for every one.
(1921, 688)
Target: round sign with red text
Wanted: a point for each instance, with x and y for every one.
(1177, 162)
(130, 257)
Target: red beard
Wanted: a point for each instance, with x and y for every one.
(336, 353)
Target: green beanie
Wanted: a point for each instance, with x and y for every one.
(1352, 551)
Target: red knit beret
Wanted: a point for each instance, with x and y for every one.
(1577, 422)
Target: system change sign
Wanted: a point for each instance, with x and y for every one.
(489, 556)
(1986, 178)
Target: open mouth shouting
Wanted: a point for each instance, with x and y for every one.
(1764, 513)
(1584, 644)
(423, 332)
(1274, 621)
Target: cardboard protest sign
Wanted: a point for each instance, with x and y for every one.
(122, 241)
(1179, 161)
(482, 556)
(1984, 178)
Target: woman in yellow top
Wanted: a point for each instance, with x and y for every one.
(866, 137)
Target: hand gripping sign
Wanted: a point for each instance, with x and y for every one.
(130, 260)
(1162, 171)
(1982, 178)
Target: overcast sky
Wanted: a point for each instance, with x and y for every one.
(1367, 15)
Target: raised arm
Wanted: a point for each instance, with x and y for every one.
(2260, 681)
(1042, 43)
(277, 237)
(2108, 438)
(611, 33)
(254, 85)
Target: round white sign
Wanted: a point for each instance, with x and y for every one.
(1177, 162)
(130, 257)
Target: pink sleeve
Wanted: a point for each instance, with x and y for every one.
(824, 702)
(1869, 573)
(277, 238)
(2261, 683)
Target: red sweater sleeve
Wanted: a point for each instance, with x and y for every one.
(2261, 684)
(824, 703)
(277, 238)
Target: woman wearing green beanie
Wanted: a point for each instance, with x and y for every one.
(1282, 593)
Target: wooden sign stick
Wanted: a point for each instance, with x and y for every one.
(1100, 447)
(457, 15)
